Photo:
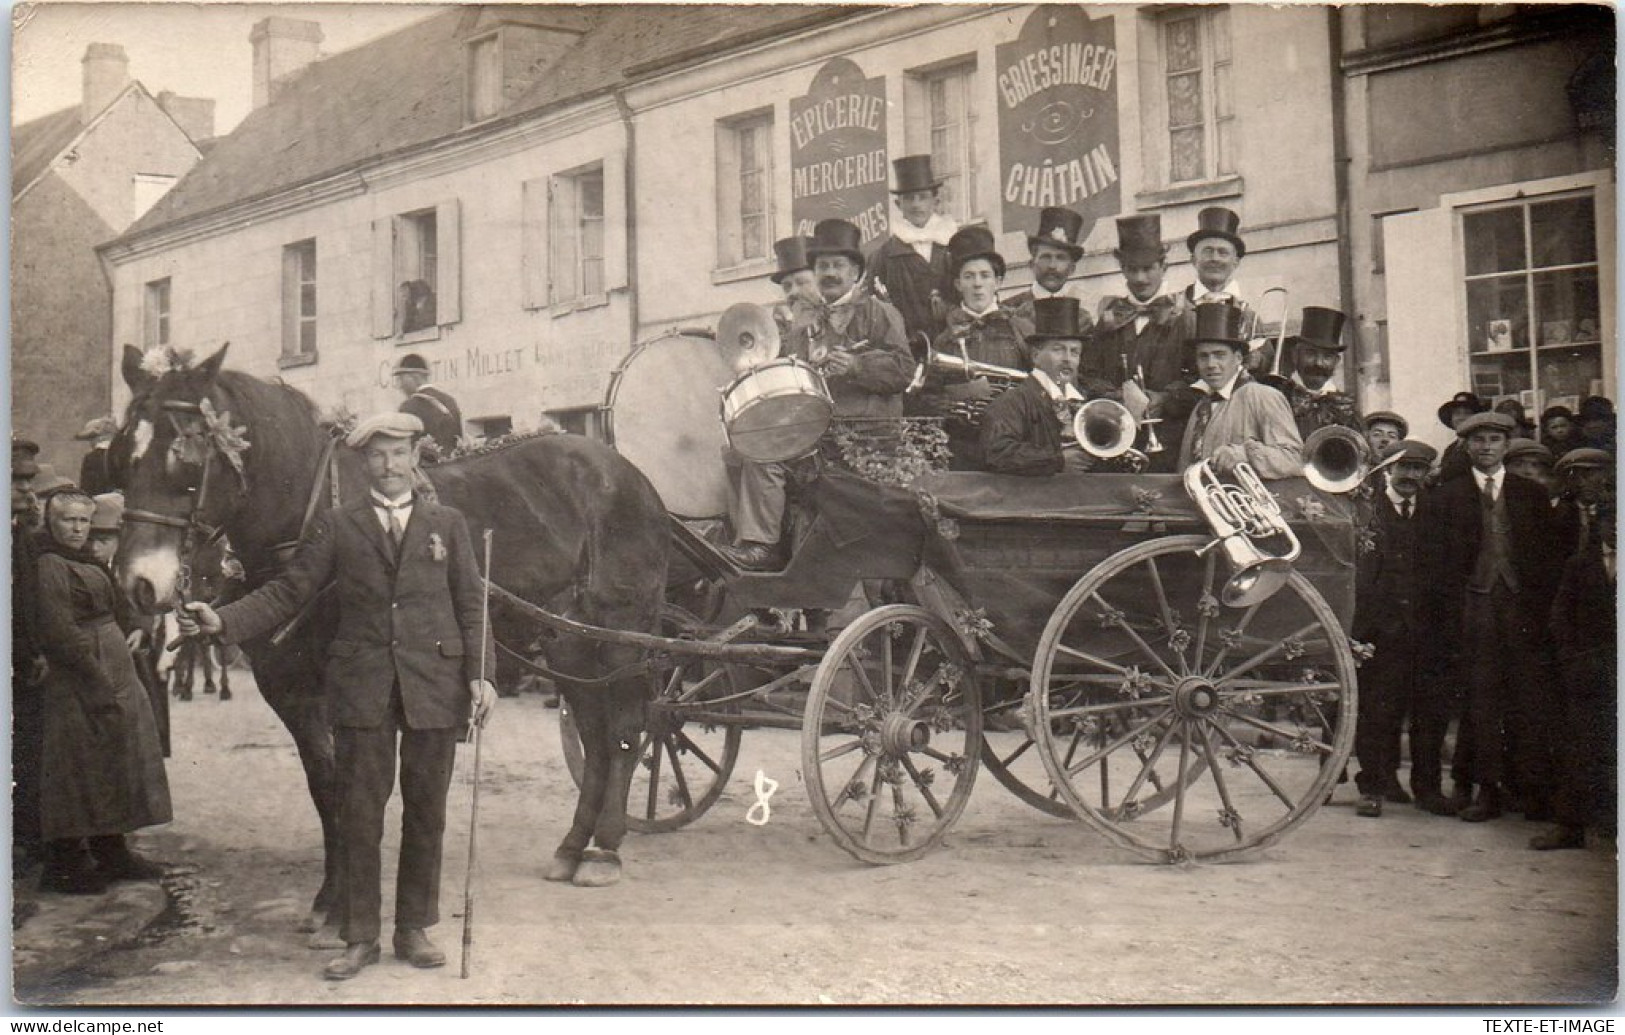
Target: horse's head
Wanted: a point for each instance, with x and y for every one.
(180, 461)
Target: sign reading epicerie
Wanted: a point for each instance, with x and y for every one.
(1057, 88)
(838, 151)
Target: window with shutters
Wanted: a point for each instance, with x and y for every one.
(1199, 106)
(155, 314)
(745, 190)
(576, 218)
(484, 77)
(940, 109)
(417, 272)
(299, 303)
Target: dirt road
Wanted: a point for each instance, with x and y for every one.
(1017, 908)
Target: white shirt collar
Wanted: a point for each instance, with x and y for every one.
(1329, 388)
(992, 307)
(382, 502)
(849, 298)
(1499, 474)
(1395, 498)
(1054, 391)
(1225, 392)
(1039, 291)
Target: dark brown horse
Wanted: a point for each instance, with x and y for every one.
(575, 528)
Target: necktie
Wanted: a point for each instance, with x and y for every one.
(397, 531)
(1204, 413)
(1489, 493)
(1405, 509)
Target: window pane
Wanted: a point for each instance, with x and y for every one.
(1183, 41)
(307, 336)
(1185, 100)
(1495, 376)
(307, 300)
(592, 277)
(592, 196)
(1497, 317)
(1566, 306)
(1563, 232)
(1494, 241)
(1187, 155)
(1566, 374)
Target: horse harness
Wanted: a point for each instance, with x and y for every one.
(191, 526)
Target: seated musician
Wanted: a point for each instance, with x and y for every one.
(1237, 419)
(1312, 390)
(980, 331)
(856, 341)
(1028, 430)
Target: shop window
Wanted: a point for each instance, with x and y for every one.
(1531, 276)
(155, 314)
(745, 190)
(1199, 110)
(299, 302)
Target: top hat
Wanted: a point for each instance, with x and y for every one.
(1322, 329)
(1220, 321)
(792, 256)
(97, 428)
(24, 457)
(836, 237)
(1488, 421)
(411, 363)
(1055, 318)
(1059, 228)
(973, 242)
(1386, 417)
(1139, 239)
(1461, 400)
(1217, 222)
(913, 173)
(109, 513)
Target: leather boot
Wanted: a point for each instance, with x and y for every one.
(414, 946)
(356, 955)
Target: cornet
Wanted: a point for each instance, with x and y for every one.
(1243, 515)
(962, 367)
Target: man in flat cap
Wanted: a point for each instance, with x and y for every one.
(1528, 459)
(1384, 429)
(1585, 476)
(1454, 463)
(1488, 567)
(404, 667)
(441, 416)
(95, 477)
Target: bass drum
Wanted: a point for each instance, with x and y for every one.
(661, 414)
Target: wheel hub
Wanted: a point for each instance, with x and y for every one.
(902, 734)
(663, 721)
(1195, 697)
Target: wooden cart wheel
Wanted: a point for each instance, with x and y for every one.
(1147, 692)
(891, 733)
(683, 767)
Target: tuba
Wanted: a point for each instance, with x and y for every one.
(1247, 522)
(1337, 459)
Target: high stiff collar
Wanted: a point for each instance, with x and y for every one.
(378, 499)
(1231, 289)
(1120, 309)
(937, 230)
(1228, 391)
(1054, 391)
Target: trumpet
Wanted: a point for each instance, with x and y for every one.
(1338, 459)
(962, 367)
(1243, 515)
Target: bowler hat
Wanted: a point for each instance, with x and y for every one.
(1220, 321)
(1059, 228)
(1386, 417)
(411, 363)
(109, 512)
(836, 237)
(1055, 318)
(1585, 457)
(97, 428)
(973, 242)
(1414, 450)
(24, 458)
(1528, 447)
(1217, 222)
(1461, 401)
(913, 172)
(1322, 329)
(1139, 239)
(390, 424)
(1490, 421)
(792, 255)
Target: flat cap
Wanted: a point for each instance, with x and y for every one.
(97, 428)
(109, 514)
(1415, 450)
(1576, 459)
(1489, 421)
(24, 457)
(1386, 417)
(1528, 447)
(390, 424)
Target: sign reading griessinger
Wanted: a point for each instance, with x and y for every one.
(838, 163)
(1057, 89)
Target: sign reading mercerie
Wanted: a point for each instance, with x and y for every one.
(1057, 88)
(838, 163)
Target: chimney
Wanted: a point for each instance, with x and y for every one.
(195, 115)
(106, 72)
(282, 47)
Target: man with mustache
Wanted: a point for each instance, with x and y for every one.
(1238, 420)
(1216, 250)
(1316, 350)
(1393, 682)
(1055, 252)
(1028, 430)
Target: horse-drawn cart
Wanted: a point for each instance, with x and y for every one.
(1078, 635)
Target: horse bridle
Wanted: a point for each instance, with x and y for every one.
(191, 525)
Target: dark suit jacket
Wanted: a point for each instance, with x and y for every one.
(1584, 625)
(1020, 434)
(1385, 576)
(415, 621)
(910, 282)
(1451, 515)
(442, 418)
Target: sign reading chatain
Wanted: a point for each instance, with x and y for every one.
(1057, 90)
(838, 163)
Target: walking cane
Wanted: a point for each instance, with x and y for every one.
(474, 734)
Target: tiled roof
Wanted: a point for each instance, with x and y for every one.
(36, 143)
(405, 90)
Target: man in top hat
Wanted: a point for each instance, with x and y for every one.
(979, 331)
(909, 267)
(434, 406)
(1312, 390)
(1055, 251)
(1237, 420)
(795, 273)
(95, 477)
(1385, 429)
(1455, 463)
(1140, 354)
(27, 660)
(404, 669)
(1028, 430)
(1216, 251)
(1393, 681)
(1487, 568)
(857, 342)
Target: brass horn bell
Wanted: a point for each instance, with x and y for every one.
(1104, 428)
(1338, 459)
(1244, 517)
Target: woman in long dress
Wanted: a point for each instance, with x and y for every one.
(102, 771)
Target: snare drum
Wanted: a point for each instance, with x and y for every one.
(777, 411)
(660, 413)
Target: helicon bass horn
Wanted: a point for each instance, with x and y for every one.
(1257, 542)
(1337, 459)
